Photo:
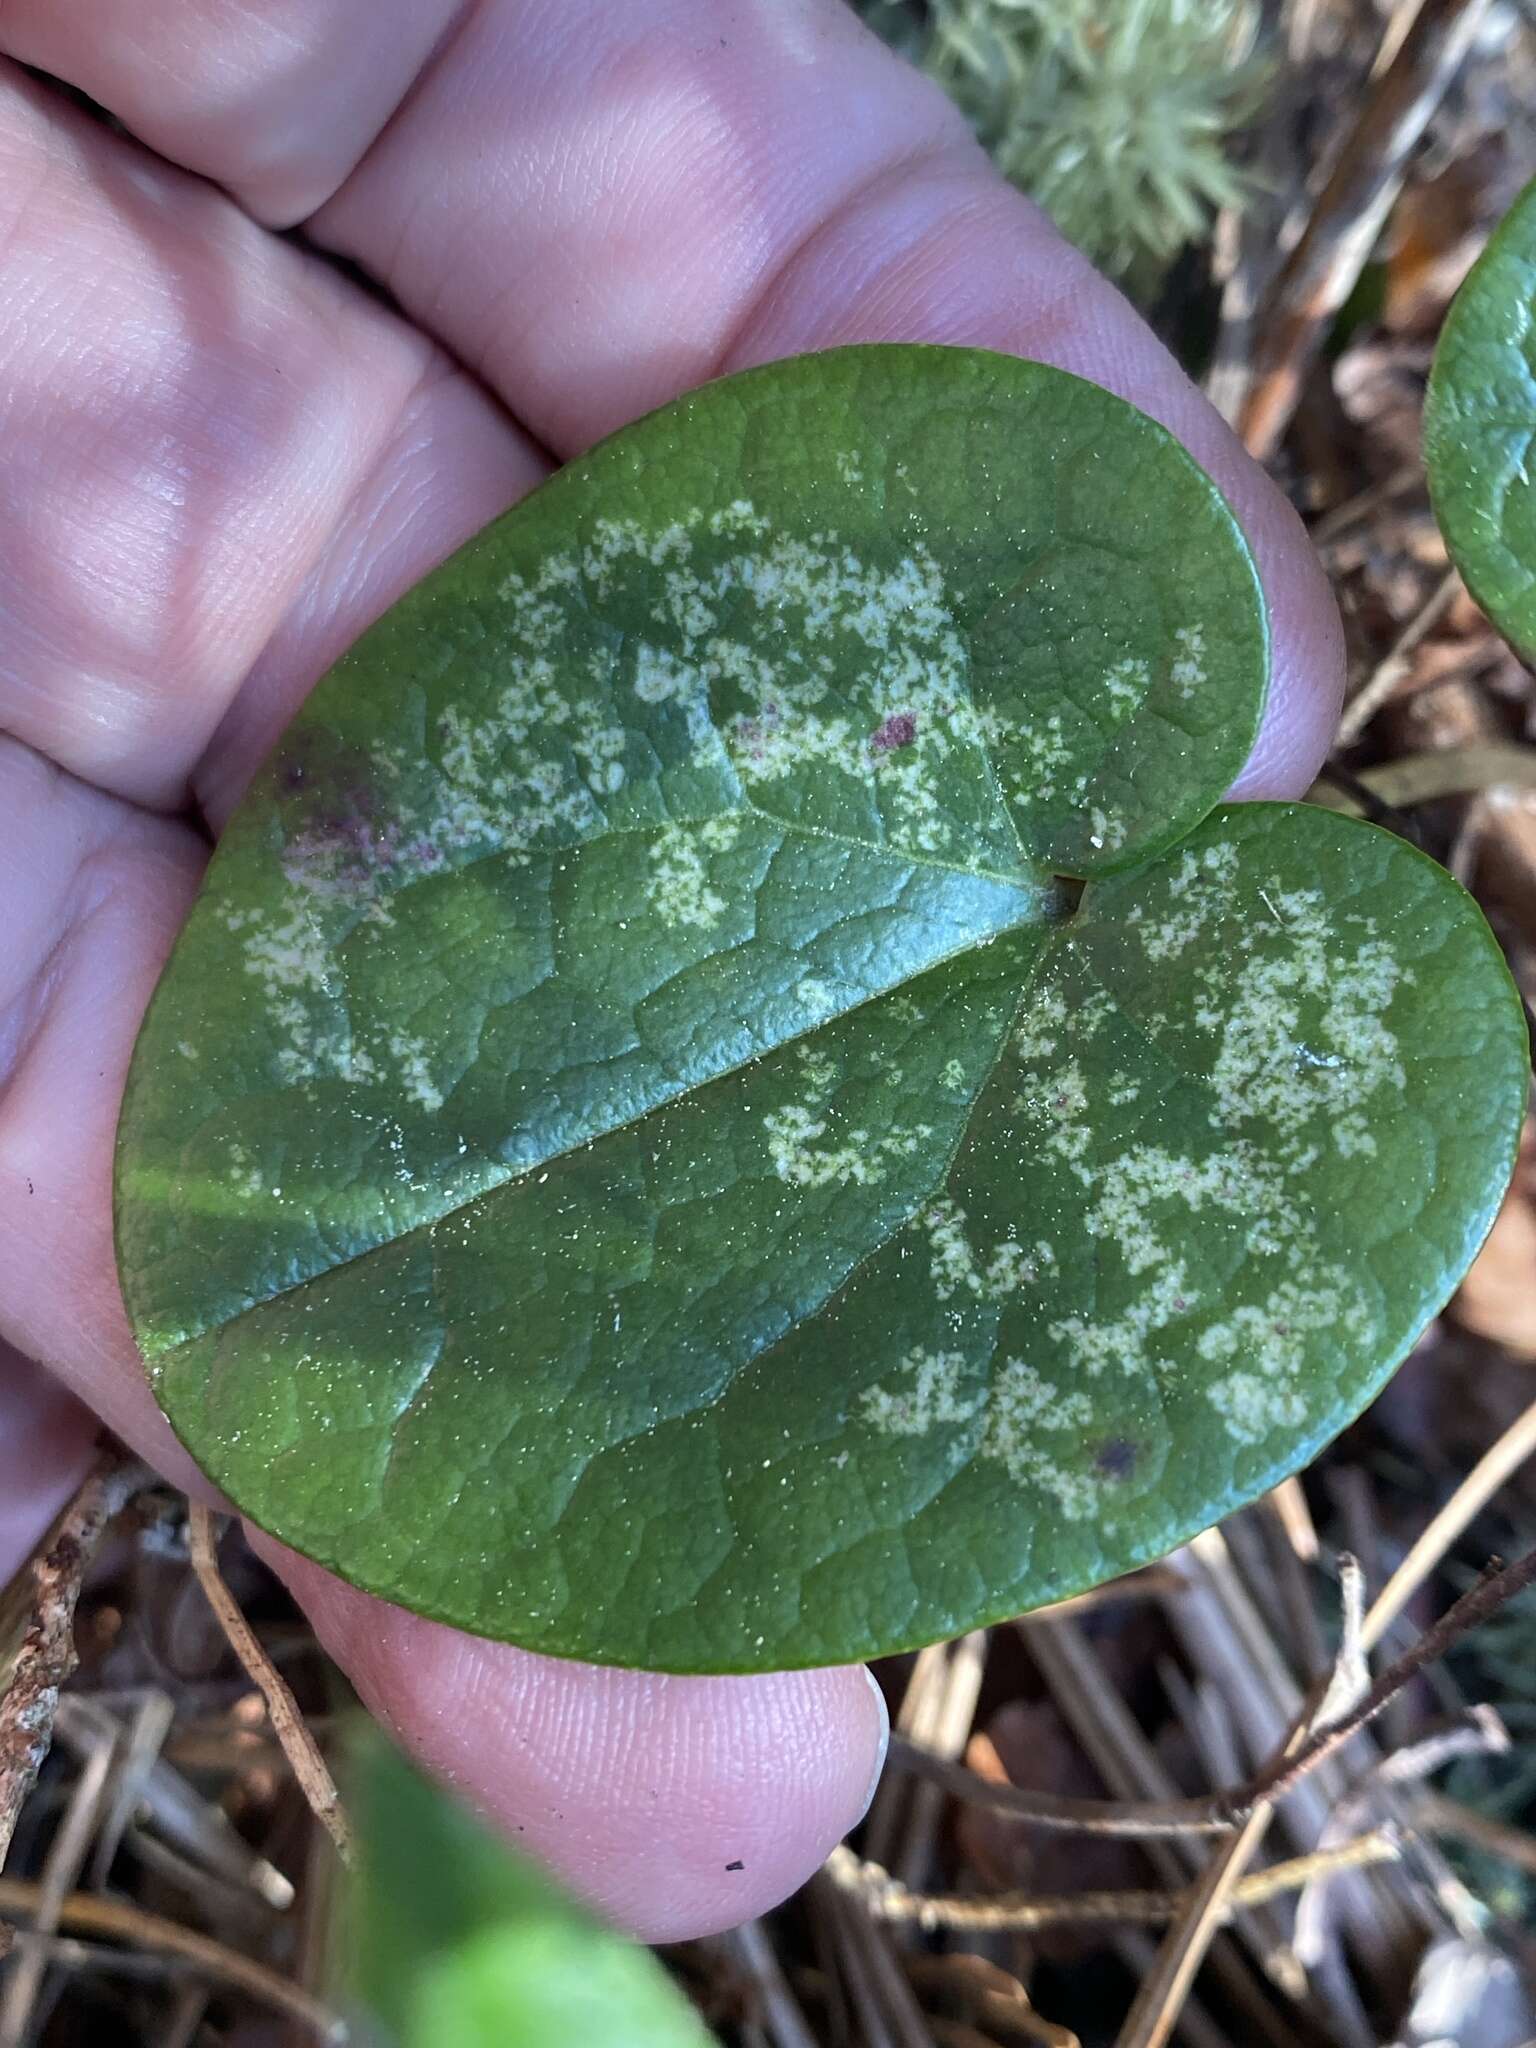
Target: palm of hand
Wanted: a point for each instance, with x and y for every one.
(223, 458)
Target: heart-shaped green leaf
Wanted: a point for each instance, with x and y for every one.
(1480, 424)
(637, 1152)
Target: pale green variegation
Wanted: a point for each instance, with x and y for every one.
(638, 1152)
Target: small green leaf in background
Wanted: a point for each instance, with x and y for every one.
(645, 1147)
(1480, 425)
(454, 1941)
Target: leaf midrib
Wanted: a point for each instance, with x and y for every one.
(1050, 896)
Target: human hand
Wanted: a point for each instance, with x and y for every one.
(223, 458)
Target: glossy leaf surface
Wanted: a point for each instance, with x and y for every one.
(636, 1153)
(1480, 423)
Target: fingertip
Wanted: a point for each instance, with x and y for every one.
(675, 1806)
(948, 253)
(882, 1744)
(1306, 691)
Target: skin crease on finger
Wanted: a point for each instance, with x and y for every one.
(594, 206)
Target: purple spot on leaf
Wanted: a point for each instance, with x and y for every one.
(338, 842)
(1116, 1458)
(899, 730)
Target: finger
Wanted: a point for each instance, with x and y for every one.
(598, 206)
(962, 260)
(221, 460)
(674, 1805)
(93, 894)
(47, 1441)
(642, 1791)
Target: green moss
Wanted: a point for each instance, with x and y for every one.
(1113, 117)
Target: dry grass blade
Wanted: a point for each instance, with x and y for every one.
(885, 2011)
(1442, 1816)
(66, 1857)
(1422, 778)
(176, 1811)
(781, 2016)
(187, 2017)
(144, 1738)
(1026, 1912)
(1131, 1819)
(46, 1656)
(115, 1920)
(238, 1914)
(1498, 1463)
(1222, 1812)
(1148, 1582)
(1247, 1808)
(1163, 1991)
(953, 1688)
(1132, 1769)
(1287, 1502)
(1306, 1652)
(1154, 2013)
(1227, 1632)
(1383, 680)
(299, 1745)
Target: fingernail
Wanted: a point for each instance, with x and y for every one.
(885, 1743)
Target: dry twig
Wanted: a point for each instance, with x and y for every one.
(116, 1920)
(1321, 271)
(1132, 1819)
(299, 1745)
(1132, 1770)
(1222, 1812)
(1382, 682)
(1211, 1900)
(1155, 2010)
(47, 1653)
(1497, 1464)
(998, 1999)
